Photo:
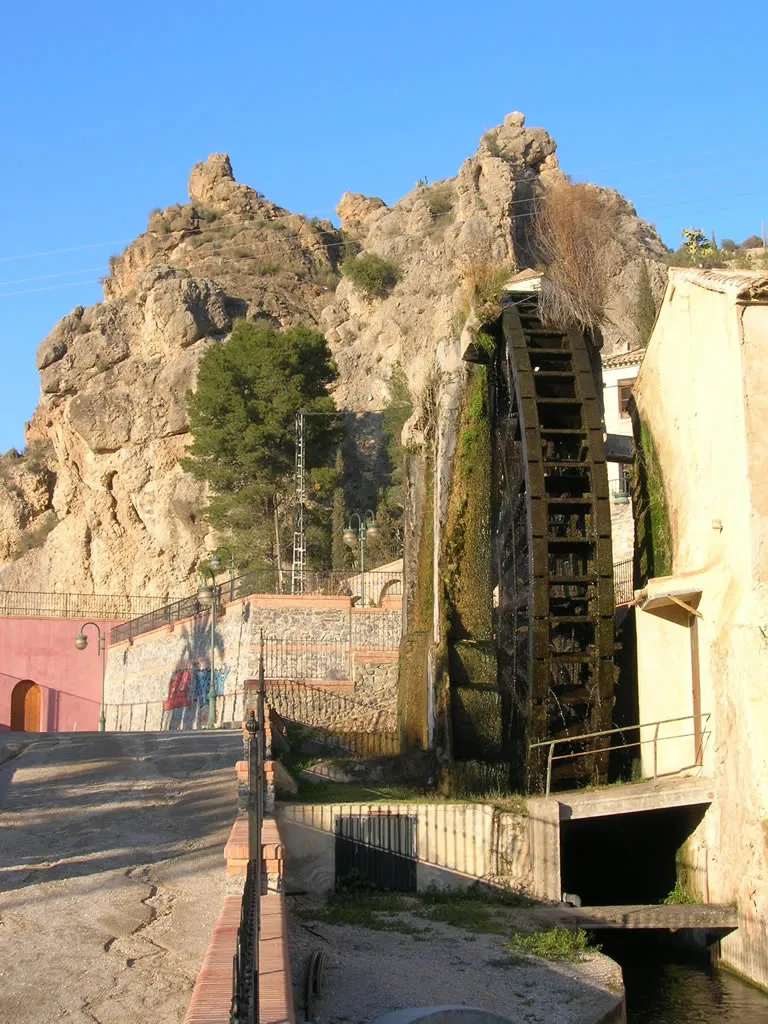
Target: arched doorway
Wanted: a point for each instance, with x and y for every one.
(25, 707)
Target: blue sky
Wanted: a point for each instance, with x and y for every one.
(106, 107)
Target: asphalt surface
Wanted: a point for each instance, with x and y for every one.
(111, 871)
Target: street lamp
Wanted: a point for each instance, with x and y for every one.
(215, 564)
(81, 642)
(366, 527)
(206, 598)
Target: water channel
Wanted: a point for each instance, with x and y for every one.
(667, 985)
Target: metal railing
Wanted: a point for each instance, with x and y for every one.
(261, 581)
(244, 1008)
(157, 716)
(290, 659)
(244, 978)
(623, 577)
(699, 734)
(38, 604)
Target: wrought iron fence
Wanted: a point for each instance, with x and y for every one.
(289, 659)
(263, 581)
(157, 716)
(244, 977)
(328, 711)
(37, 604)
(623, 590)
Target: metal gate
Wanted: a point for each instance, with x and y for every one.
(378, 849)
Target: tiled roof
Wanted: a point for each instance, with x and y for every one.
(746, 285)
(633, 358)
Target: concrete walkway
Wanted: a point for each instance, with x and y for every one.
(111, 871)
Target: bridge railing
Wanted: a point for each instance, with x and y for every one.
(699, 734)
(263, 581)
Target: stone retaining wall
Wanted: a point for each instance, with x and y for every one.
(161, 679)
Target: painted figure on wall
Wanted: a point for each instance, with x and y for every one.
(191, 685)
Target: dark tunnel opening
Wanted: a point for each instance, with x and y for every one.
(624, 858)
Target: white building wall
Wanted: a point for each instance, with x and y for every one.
(702, 391)
(622, 522)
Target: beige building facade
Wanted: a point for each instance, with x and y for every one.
(619, 372)
(702, 632)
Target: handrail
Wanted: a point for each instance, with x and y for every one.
(550, 744)
(329, 583)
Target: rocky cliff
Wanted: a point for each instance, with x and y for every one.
(98, 502)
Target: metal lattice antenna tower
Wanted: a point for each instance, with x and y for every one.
(299, 531)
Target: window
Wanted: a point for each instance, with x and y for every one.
(625, 393)
(624, 483)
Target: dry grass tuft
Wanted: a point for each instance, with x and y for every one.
(574, 228)
(483, 278)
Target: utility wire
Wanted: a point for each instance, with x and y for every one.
(46, 277)
(437, 187)
(56, 252)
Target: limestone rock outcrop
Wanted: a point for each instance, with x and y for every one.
(99, 503)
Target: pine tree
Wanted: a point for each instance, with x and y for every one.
(242, 417)
(645, 309)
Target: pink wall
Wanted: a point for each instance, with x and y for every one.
(43, 650)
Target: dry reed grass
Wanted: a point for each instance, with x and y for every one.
(574, 228)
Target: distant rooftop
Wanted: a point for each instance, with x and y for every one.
(633, 358)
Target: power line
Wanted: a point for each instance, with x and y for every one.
(46, 277)
(56, 252)
(49, 288)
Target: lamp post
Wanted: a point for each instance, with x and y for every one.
(214, 563)
(366, 527)
(206, 598)
(81, 642)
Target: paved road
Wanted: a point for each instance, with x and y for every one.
(111, 872)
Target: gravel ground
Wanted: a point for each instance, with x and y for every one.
(372, 972)
(111, 872)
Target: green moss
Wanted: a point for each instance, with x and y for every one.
(412, 690)
(467, 591)
(476, 723)
(653, 535)
(466, 562)
(472, 662)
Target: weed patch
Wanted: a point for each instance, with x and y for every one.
(553, 944)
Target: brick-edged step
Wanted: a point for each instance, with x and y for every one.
(236, 848)
(212, 994)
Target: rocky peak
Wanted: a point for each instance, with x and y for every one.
(103, 505)
(212, 184)
(354, 210)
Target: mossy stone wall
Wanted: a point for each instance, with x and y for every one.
(653, 535)
(467, 587)
(417, 641)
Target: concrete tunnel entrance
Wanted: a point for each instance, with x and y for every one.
(628, 858)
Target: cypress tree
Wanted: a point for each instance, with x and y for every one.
(339, 550)
(645, 309)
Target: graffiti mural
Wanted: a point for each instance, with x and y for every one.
(203, 682)
(178, 689)
(191, 685)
